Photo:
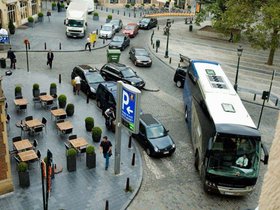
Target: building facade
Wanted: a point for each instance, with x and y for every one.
(18, 11)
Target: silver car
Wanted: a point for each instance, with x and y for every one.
(107, 31)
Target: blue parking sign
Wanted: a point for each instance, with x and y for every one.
(128, 106)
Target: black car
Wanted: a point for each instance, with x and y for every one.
(118, 24)
(181, 71)
(154, 137)
(148, 23)
(106, 94)
(117, 71)
(90, 78)
(119, 41)
(140, 57)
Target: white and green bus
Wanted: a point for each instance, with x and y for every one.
(227, 144)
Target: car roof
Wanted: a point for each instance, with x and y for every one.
(110, 85)
(116, 64)
(132, 24)
(119, 34)
(139, 48)
(85, 67)
(148, 119)
(108, 24)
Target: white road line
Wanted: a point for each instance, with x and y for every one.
(168, 165)
(153, 168)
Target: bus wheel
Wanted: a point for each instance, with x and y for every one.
(196, 160)
(186, 114)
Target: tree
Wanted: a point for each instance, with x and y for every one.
(259, 20)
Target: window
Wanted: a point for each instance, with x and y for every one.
(23, 9)
(11, 13)
(113, 1)
(34, 7)
(131, 1)
(147, 1)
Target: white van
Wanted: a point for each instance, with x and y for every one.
(89, 3)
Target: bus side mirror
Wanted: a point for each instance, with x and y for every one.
(209, 147)
(266, 155)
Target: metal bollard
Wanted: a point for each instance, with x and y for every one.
(87, 97)
(127, 185)
(112, 10)
(59, 78)
(133, 159)
(45, 45)
(129, 142)
(123, 13)
(101, 26)
(29, 45)
(128, 14)
(107, 205)
(118, 12)
(60, 45)
(106, 9)
(134, 15)
(103, 41)
(276, 102)
(153, 46)
(158, 27)
(156, 49)
(170, 60)
(255, 96)
(101, 7)
(96, 32)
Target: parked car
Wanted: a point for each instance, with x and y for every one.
(148, 23)
(118, 24)
(153, 137)
(107, 30)
(106, 94)
(117, 71)
(90, 78)
(119, 41)
(140, 57)
(131, 29)
(181, 71)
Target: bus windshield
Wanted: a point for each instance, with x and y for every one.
(234, 152)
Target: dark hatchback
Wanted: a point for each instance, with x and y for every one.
(153, 137)
(90, 78)
(147, 23)
(106, 94)
(140, 57)
(119, 41)
(181, 71)
(117, 71)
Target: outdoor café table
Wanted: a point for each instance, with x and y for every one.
(21, 101)
(78, 142)
(45, 98)
(33, 123)
(58, 112)
(22, 145)
(27, 155)
(63, 126)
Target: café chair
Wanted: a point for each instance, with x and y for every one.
(22, 107)
(17, 138)
(28, 118)
(17, 159)
(72, 137)
(44, 121)
(38, 130)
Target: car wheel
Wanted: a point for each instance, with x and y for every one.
(148, 151)
(179, 84)
(122, 48)
(98, 104)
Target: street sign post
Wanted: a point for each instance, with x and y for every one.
(127, 115)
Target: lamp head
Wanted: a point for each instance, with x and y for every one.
(239, 50)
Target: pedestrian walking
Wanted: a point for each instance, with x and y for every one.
(11, 55)
(49, 14)
(231, 37)
(50, 57)
(77, 84)
(58, 6)
(106, 148)
(88, 44)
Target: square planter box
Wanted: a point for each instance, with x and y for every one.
(95, 18)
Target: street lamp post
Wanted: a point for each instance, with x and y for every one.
(27, 45)
(167, 28)
(239, 53)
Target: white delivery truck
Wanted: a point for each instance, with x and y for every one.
(89, 3)
(76, 20)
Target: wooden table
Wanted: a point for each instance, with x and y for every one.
(58, 112)
(78, 142)
(22, 145)
(64, 125)
(21, 101)
(28, 155)
(45, 98)
(33, 123)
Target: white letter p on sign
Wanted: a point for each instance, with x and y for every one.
(125, 99)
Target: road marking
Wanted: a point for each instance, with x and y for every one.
(153, 168)
(168, 165)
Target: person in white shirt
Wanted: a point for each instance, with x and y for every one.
(77, 84)
(88, 44)
(242, 161)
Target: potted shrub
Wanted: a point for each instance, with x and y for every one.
(71, 159)
(90, 157)
(40, 17)
(62, 7)
(62, 99)
(127, 6)
(11, 27)
(23, 174)
(30, 20)
(109, 18)
(89, 123)
(53, 90)
(95, 16)
(53, 6)
(18, 91)
(36, 90)
(96, 134)
(70, 109)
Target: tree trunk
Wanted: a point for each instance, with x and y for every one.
(274, 45)
(271, 57)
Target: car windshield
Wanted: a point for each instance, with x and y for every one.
(129, 27)
(94, 77)
(128, 72)
(75, 23)
(145, 20)
(155, 132)
(115, 22)
(118, 39)
(141, 52)
(107, 28)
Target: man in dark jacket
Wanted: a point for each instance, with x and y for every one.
(50, 58)
(11, 55)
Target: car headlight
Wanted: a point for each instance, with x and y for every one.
(133, 83)
(138, 61)
(173, 146)
(92, 90)
(156, 149)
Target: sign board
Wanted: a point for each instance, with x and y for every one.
(130, 107)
